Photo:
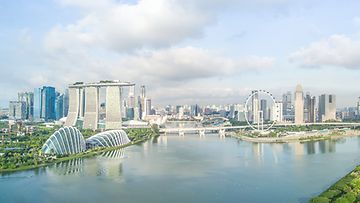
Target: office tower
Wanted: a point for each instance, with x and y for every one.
(28, 98)
(358, 107)
(288, 110)
(148, 106)
(255, 116)
(327, 107)
(299, 105)
(37, 104)
(264, 109)
(312, 110)
(307, 103)
(59, 106)
(277, 112)
(143, 93)
(48, 98)
(17, 110)
(66, 103)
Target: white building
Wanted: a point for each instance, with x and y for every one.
(299, 105)
(277, 112)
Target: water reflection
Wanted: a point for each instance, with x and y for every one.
(106, 164)
(73, 166)
(295, 148)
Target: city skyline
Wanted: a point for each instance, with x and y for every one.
(217, 54)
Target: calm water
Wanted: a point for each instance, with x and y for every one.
(190, 169)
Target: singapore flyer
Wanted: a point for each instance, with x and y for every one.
(259, 109)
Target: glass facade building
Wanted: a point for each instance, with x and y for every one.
(111, 138)
(67, 140)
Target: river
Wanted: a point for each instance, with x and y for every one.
(190, 169)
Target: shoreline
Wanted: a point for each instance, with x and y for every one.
(346, 189)
(313, 136)
(80, 155)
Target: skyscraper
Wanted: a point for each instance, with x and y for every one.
(59, 106)
(37, 104)
(148, 106)
(264, 109)
(17, 110)
(312, 113)
(277, 112)
(255, 117)
(358, 107)
(288, 110)
(48, 98)
(307, 103)
(66, 103)
(299, 105)
(28, 98)
(327, 107)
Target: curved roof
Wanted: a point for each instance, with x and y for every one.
(66, 140)
(109, 138)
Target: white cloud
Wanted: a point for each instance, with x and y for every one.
(189, 63)
(127, 27)
(336, 51)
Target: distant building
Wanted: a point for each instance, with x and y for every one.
(327, 107)
(312, 110)
(288, 109)
(299, 105)
(264, 109)
(277, 112)
(28, 98)
(37, 104)
(59, 106)
(255, 117)
(48, 98)
(66, 103)
(17, 110)
(148, 106)
(358, 108)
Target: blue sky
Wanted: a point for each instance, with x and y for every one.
(184, 51)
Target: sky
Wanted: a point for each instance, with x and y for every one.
(183, 51)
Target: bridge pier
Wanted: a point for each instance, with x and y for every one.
(181, 133)
(222, 132)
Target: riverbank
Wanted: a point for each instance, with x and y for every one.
(347, 189)
(299, 137)
(80, 155)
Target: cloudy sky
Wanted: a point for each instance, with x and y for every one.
(184, 51)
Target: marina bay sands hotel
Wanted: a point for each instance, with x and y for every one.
(84, 104)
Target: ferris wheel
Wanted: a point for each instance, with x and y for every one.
(255, 117)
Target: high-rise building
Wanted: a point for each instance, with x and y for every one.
(307, 103)
(312, 110)
(264, 109)
(148, 106)
(358, 108)
(37, 104)
(59, 106)
(17, 110)
(277, 112)
(48, 98)
(299, 105)
(255, 116)
(66, 103)
(327, 107)
(28, 98)
(288, 108)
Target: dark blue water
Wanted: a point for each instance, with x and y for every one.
(190, 169)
